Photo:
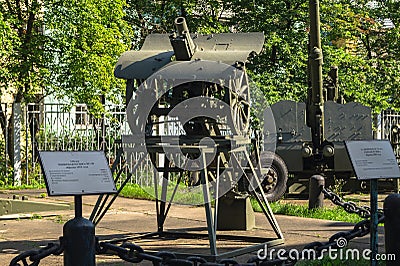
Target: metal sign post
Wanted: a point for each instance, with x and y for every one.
(371, 160)
(77, 174)
(374, 221)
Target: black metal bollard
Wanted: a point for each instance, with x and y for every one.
(79, 239)
(315, 196)
(391, 208)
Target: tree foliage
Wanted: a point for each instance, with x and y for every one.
(87, 38)
(23, 64)
(355, 37)
(65, 48)
(74, 58)
(147, 17)
(8, 37)
(23, 73)
(360, 41)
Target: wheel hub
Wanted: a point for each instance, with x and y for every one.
(270, 180)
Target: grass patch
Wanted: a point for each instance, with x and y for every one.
(35, 186)
(182, 196)
(134, 191)
(185, 196)
(36, 216)
(327, 213)
(59, 219)
(333, 213)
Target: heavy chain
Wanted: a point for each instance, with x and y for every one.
(349, 206)
(360, 229)
(35, 256)
(135, 254)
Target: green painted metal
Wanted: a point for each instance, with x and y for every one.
(159, 50)
(11, 206)
(238, 207)
(311, 135)
(315, 102)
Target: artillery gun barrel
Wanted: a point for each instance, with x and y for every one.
(182, 44)
(316, 97)
(181, 26)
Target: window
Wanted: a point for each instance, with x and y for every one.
(81, 116)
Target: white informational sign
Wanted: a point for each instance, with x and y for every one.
(76, 173)
(373, 159)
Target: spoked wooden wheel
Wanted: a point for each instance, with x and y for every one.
(240, 109)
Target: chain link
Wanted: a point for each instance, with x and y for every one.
(360, 229)
(135, 254)
(35, 256)
(349, 206)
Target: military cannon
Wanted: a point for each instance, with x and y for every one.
(188, 109)
(311, 135)
(161, 51)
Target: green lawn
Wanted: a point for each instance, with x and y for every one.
(327, 213)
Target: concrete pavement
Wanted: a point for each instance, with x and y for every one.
(130, 217)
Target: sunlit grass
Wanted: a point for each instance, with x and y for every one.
(34, 186)
(187, 197)
(327, 213)
(183, 195)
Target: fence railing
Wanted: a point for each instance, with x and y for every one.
(58, 127)
(390, 129)
(5, 113)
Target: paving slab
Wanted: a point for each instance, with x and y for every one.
(131, 217)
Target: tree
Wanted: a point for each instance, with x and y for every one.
(23, 64)
(158, 17)
(8, 37)
(368, 52)
(354, 35)
(87, 37)
(65, 48)
(281, 69)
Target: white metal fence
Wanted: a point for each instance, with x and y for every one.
(60, 127)
(389, 128)
(55, 127)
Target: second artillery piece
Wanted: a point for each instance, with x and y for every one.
(311, 135)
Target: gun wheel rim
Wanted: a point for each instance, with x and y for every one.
(240, 109)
